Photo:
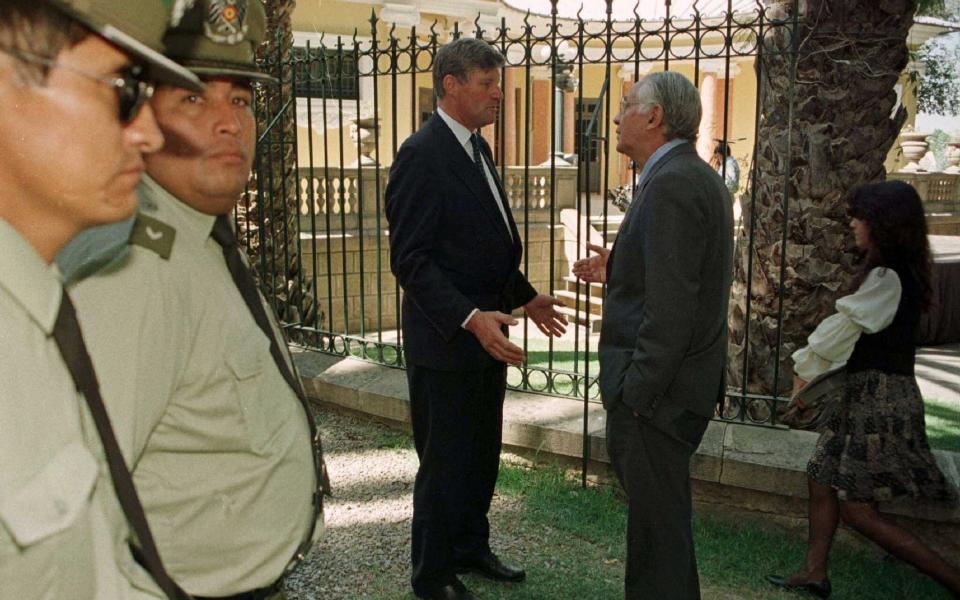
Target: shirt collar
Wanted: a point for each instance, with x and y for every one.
(658, 154)
(462, 133)
(32, 283)
(193, 227)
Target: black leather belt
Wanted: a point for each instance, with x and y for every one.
(257, 594)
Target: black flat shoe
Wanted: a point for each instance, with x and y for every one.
(451, 591)
(489, 566)
(820, 589)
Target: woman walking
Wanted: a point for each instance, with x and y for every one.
(873, 447)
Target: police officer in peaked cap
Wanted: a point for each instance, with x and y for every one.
(203, 393)
(75, 128)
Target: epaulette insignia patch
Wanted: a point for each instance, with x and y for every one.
(153, 235)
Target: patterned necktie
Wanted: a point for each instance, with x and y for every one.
(243, 279)
(69, 339)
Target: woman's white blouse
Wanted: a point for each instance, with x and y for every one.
(870, 309)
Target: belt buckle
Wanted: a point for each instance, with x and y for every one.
(295, 561)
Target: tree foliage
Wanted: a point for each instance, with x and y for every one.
(938, 146)
(938, 8)
(940, 81)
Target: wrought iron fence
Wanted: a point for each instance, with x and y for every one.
(358, 97)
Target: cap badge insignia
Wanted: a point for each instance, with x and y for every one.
(226, 21)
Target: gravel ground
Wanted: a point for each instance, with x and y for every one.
(364, 554)
(367, 536)
(365, 551)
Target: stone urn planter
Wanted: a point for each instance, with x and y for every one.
(363, 131)
(952, 154)
(913, 145)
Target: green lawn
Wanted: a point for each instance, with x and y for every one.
(733, 557)
(943, 423)
(571, 541)
(578, 550)
(564, 358)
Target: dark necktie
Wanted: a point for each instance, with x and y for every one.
(477, 155)
(478, 159)
(69, 339)
(243, 279)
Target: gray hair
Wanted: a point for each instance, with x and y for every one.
(461, 56)
(679, 99)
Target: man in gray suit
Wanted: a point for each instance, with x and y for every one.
(664, 336)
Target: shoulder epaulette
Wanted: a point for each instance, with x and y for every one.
(153, 235)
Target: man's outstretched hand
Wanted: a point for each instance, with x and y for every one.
(485, 324)
(543, 312)
(594, 268)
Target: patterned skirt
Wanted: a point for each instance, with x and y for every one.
(873, 445)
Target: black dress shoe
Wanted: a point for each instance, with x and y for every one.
(451, 591)
(820, 589)
(489, 566)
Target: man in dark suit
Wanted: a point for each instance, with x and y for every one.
(664, 336)
(455, 249)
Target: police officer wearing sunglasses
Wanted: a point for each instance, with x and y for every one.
(74, 78)
(205, 400)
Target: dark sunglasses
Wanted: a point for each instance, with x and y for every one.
(132, 90)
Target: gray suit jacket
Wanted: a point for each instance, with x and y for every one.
(663, 342)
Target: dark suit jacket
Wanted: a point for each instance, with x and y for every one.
(449, 249)
(663, 342)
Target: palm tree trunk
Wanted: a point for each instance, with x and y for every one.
(273, 211)
(826, 125)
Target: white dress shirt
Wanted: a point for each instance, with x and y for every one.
(463, 136)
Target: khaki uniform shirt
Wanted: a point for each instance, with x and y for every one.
(62, 531)
(219, 443)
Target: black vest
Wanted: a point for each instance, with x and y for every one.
(892, 350)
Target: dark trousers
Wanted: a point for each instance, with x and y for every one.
(654, 470)
(457, 421)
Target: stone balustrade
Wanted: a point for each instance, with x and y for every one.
(349, 194)
(345, 244)
(940, 193)
(357, 292)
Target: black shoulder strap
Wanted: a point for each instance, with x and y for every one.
(69, 339)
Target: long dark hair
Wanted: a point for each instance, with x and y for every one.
(898, 230)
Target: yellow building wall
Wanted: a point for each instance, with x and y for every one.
(333, 17)
(344, 18)
(388, 119)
